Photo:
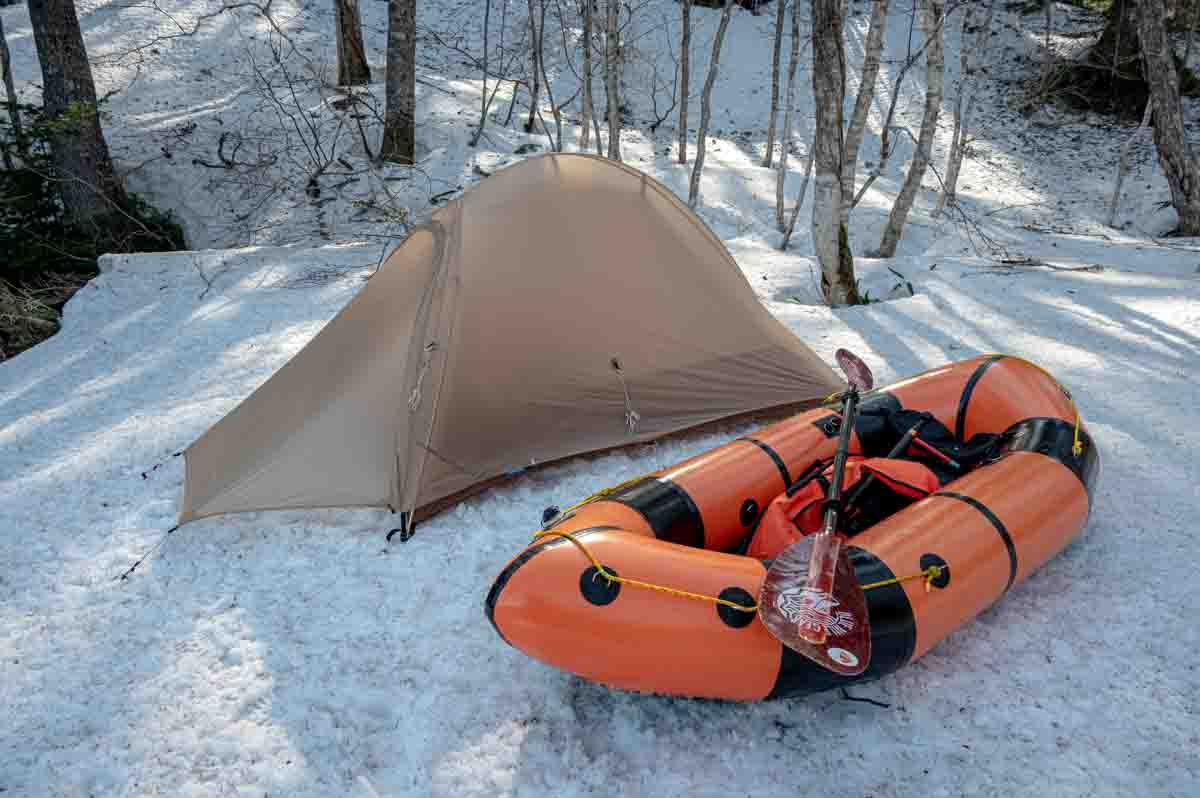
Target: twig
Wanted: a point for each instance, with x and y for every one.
(847, 697)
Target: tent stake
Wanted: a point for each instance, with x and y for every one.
(405, 529)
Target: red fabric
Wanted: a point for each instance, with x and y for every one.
(789, 518)
(907, 477)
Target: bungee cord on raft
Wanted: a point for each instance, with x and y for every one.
(929, 574)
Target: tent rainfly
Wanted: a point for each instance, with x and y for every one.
(565, 305)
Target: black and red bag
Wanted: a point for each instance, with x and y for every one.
(897, 484)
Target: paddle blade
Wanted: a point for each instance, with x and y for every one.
(789, 608)
(857, 373)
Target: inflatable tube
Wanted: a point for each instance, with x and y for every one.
(676, 529)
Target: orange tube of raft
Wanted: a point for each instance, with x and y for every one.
(676, 528)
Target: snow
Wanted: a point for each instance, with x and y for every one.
(296, 654)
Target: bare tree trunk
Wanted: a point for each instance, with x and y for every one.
(931, 20)
(589, 109)
(10, 94)
(399, 126)
(781, 174)
(555, 109)
(1187, 50)
(885, 131)
(535, 54)
(351, 55)
(862, 104)
(611, 54)
(1178, 161)
(977, 21)
(485, 99)
(780, 7)
(1048, 64)
(791, 225)
(706, 104)
(685, 8)
(1123, 164)
(830, 239)
(90, 187)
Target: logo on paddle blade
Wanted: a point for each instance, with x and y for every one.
(842, 657)
(814, 610)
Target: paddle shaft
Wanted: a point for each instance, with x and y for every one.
(827, 543)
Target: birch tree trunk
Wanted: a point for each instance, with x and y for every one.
(780, 6)
(555, 108)
(706, 104)
(978, 21)
(1123, 163)
(862, 104)
(791, 225)
(10, 94)
(589, 109)
(1178, 161)
(535, 58)
(685, 8)
(885, 131)
(485, 99)
(399, 124)
(90, 187)
(781, 174)
(1191, 37)
(830, 239)
(351, 55)
(931, 21)
(611, 54)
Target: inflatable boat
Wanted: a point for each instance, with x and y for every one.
(652, 585)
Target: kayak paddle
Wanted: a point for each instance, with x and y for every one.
(811, 599)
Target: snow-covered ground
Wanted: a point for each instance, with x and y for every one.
(294, 654)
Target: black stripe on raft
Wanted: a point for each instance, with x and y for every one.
(774, 455)
(547, 542)
(668, 509)
(1054, 438)
(960, 423)
(997, 524)
(893, 636)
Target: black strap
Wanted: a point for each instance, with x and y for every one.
(960, 422)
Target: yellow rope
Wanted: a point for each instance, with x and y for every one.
(600, 494)
(1077, 444)
(928, 574)
(611, 577)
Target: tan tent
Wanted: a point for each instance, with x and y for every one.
(564, 305)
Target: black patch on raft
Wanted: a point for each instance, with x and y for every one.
(997, 524)
(774, 455)
(749, 513)
(830, 425)
(668, 509)
(893, 636)
(597, 589)
(931, 560)
(960, 423)
(737, 619)
(547, 542)
(1054, 438)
